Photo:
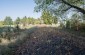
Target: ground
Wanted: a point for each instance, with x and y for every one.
(51, 41)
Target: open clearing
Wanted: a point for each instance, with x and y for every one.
(51, 41)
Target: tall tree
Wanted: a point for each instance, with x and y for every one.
(60, 6)
(8, 21)
(47, 17)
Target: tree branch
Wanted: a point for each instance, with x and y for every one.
(79, 9)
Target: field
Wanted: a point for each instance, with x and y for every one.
(42, 40)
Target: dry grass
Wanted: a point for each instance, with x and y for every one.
(8, 46)
(52, 41)
(43, 40)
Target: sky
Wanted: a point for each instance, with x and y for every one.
(17, 8)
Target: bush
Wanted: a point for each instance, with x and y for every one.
(0, 40)
(67, 24)
(82, 26)
(5, 50)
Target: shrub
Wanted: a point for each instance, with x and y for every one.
(0, 40)
(82, 26)
(67, 24)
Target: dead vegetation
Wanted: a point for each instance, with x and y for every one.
(52, 41)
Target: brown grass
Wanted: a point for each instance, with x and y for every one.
(51, 41)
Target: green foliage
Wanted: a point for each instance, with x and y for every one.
(48, 18)
(27, 20)
(55, 20)
(58, 7)
(1, 23)
(75, 21)
(82, 26)
(24, 21)
(37, 21)
(42, 4)
(67, 24)
(61, 25)
(31, 20)
(8, 21)
(17, 20)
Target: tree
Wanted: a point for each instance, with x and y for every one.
(8, 21)
(1, 23)
(59, 6)
(55, 20)
(47, 17)
(76, 21)
(31, 20)
(37, 21)
(17, 21)
(24, 21)
(68, 24)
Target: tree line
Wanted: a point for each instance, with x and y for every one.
(46, 18)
